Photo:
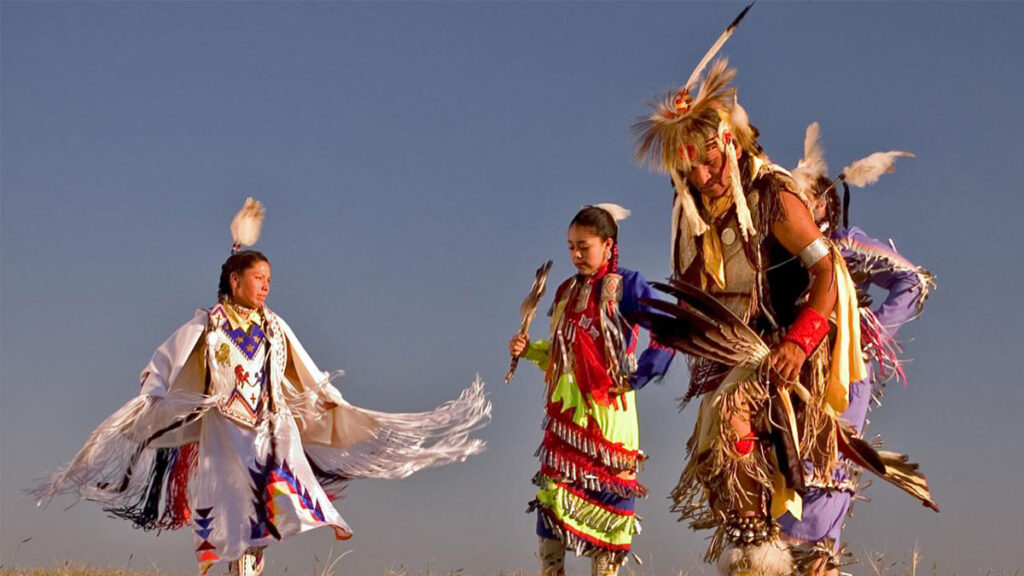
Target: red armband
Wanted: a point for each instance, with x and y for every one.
(807, 330)
(746, 444)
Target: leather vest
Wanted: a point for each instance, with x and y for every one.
(741, 274)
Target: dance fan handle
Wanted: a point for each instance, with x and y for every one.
(511, 369)
(529, 309)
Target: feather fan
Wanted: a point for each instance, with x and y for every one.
(702, 326)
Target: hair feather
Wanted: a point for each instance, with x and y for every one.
(812, 166)
(869, 169)
(618, 213)
(246, 225)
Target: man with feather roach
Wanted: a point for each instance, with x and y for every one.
(742, 235)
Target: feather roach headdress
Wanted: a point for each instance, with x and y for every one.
(245, 227)
(677, 134)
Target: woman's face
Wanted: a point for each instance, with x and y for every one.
(587, 250)
(251, 287)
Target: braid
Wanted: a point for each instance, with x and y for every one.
(614, 264)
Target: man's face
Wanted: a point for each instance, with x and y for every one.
(711, 177)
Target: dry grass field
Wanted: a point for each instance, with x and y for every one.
(870, 565)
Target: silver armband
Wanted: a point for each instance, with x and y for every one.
(813, 252)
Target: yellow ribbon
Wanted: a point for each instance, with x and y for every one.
(711, 242)
(847, 360)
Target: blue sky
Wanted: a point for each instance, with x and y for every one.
(418, 161)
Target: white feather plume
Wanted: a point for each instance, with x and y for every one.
(771, 558)
(868, 170)
(812, 165)
(245, 227)
(617, 212)
(740, 122)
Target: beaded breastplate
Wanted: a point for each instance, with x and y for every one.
(239, 367)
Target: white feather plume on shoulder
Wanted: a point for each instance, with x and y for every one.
(812, 165)
(617, 212)
(245, 227)
(868, 170)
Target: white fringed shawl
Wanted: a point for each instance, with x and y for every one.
(114, 466)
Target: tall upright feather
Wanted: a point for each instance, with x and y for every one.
(812, 165)
(716, 47)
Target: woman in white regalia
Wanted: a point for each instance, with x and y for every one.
(238, 435)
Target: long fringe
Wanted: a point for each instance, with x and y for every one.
(167, 485)
(883, 349)
(115, 467)
(818, 443)
(709, 486)
(176, 510)
(145, 512)
(405, 443)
